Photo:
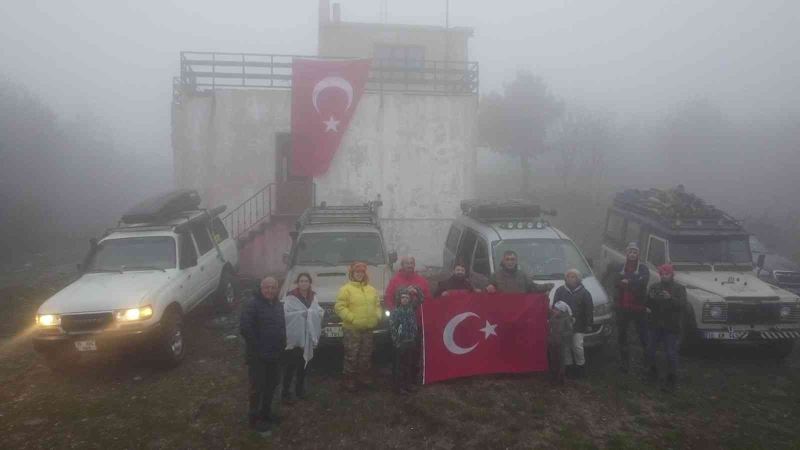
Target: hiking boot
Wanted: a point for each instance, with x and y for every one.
(300, 394)
(579, 372)
(286, 397)
(261, 426)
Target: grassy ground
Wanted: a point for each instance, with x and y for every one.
(729, 398)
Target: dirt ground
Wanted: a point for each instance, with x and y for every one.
(728, 398)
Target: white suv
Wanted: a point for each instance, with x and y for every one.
(136, 285)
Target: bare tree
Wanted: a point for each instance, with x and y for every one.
(517, 121)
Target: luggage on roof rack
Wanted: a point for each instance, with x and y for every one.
(366, 214)
(675, 208)
(502, 210)
(162, 207)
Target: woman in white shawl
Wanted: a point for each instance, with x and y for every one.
(303, 327)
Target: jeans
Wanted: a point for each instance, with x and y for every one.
(573, 351)
(264, 377)
(670, 340)
(624, 320)
(295, 364)
(404, 363)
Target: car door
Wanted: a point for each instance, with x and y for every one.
(189, 279)
(480, 259)
(207, 259)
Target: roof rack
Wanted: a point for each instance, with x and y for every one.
(488, 210)
(366, 214)
(189, 216)
(675, 209)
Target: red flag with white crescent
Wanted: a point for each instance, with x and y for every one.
(472, 334)
(325, 94)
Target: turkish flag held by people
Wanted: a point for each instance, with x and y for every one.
(471, 334)
(325, 94)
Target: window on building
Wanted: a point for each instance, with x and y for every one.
(407, 57)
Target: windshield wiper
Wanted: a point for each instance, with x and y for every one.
(315, 261)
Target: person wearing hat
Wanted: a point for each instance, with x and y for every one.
(358, 307)
(665, 303)
(630, 293)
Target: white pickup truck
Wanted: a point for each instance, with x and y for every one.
(136, 285)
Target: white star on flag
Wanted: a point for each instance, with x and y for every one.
(488, 330)
(331, 124)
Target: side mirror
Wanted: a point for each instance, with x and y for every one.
(760, 263)
(591, 262)
(286, 258)
(392, 257)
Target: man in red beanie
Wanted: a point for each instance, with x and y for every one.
(666, 301)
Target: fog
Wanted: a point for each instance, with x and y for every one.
(697, 92)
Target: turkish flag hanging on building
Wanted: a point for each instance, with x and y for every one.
(471, 334)
(325, 94)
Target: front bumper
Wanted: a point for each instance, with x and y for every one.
(106, 341)
(601, 331)
(731, 334)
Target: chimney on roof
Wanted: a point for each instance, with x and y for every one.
(337, 13)
(324, 11)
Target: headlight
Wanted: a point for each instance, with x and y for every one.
(388, 313)
(715, 311)
(134, 314)
(602, 309)
(786, 311)
(48, 320)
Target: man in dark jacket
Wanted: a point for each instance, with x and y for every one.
(263, 326)
(458, 281)
(666, 301)
(579, 299)
(508, 278)
(630, 283)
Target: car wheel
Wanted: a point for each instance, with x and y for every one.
(226, 292)
(171, 346)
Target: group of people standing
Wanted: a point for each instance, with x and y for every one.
(285, 334)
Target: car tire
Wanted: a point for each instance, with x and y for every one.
(171, 345)
(226, 298)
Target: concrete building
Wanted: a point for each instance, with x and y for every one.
(411, 139)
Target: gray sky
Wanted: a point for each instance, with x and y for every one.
(116, 59)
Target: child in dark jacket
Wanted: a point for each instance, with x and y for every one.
(559, 339)
(404, 332)
(579, 299)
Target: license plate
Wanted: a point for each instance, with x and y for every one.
(722, 335)
(332, 332)
(86, 346)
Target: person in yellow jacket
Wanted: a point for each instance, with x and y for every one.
(358, 306)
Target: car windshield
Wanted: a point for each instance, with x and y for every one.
(154, 252)
(711, 251)
(543, 259)
(333, 249)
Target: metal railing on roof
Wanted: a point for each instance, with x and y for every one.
(204, 71)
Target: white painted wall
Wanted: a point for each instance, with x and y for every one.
(417, 151)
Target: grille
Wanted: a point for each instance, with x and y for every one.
(330, 317)
(86, 322)
(745, 314)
